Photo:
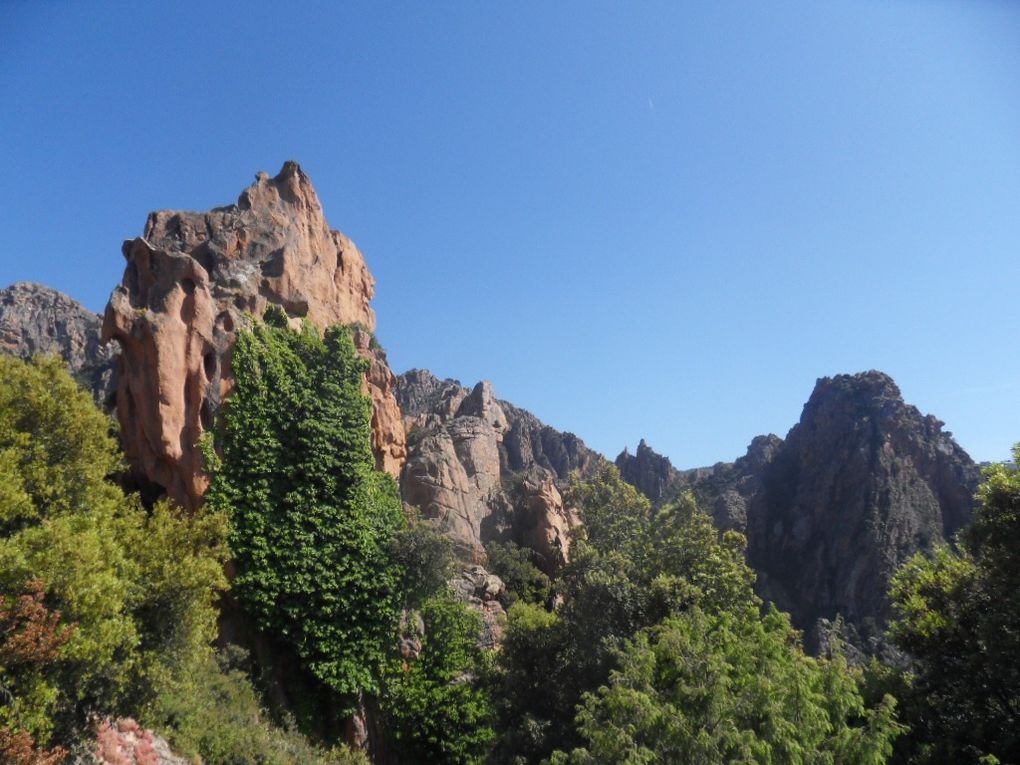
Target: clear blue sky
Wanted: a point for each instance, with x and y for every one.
(658, 220)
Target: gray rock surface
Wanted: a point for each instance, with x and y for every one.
(35, 319)
(862, 482)
(481, 469)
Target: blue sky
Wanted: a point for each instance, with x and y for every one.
(657, 220)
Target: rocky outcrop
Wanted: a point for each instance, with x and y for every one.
(191, 280)
(862, 482)
(125, 742)
(453, 470)
(483, 470)
(483, 592)
(723, 490)
(649, 472)
(35, 319)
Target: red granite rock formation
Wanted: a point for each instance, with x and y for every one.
(191, 280)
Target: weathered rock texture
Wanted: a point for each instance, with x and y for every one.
(35, 319)
(191, 280)
(483, 470)
(862, 482)
(483, 592)
(125, 742)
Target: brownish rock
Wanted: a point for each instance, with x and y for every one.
(453, 473)
(483, 470)
(543, 523)
(191, 280)
(125, 742)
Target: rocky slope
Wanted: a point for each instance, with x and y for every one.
(35, 319)
(191, 280)
(484, 470)
(862, 482)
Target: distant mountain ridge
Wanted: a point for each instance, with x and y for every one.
(484, 470)
(860, 483)
(36, 319)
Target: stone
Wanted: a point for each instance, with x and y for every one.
(543, 523)
(860, 484)
(483, 592)
(482, 470)
(125, 742)
(38, 320)
(192, 280)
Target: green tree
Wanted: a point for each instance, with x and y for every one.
(139, 587)
(631, 566)
(431, 701)
(733, 687)
(313, 523)
(958, 617)
(515, 566)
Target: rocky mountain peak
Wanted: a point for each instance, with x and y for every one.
(861, 482)
(482, 403)
(484, 470)
(192, 279)
(648, 470)
(35, 319)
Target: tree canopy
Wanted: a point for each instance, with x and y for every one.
(958, 617)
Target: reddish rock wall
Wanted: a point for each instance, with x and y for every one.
(191, 280)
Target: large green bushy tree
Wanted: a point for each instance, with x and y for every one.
(325, 560)
(138, 587)
(958, 617)
(312, 522)
(729, 688)
(659, 653)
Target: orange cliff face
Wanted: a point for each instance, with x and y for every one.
(189, 281)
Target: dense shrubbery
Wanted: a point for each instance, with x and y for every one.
(312, 521)
(523, 579)
(326, 561)
(657, 649)
(959, 619)
(129, 613)
(659, 654)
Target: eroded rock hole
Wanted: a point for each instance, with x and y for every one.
(209, 363)
(205, 414)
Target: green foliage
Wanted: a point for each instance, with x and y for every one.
(215, 714)
(432, 703)
(312, 523)
(55, 447)
(958, 616)
(139, 587)
(631, 567)
(425, 558)
(661, 645)
(729, 688)
(524, 581)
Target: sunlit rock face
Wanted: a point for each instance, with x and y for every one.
(482, 470)
(191, 280)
